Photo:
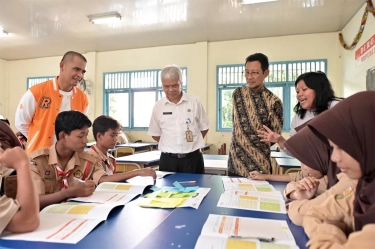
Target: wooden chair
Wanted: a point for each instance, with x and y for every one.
(125, 167)
(124, 151)
(223, 149)
(292, 170)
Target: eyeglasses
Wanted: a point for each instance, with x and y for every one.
(253, 74)
(175, 86)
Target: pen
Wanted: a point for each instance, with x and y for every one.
(188, 182)
(261, 239)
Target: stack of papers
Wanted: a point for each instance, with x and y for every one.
(148, 180)
(222, 232)
(242, 193)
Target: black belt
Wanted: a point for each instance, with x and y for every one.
(180, 155)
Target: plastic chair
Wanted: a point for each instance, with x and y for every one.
(223, 149)
(292, 170)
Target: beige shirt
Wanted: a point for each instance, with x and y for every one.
(8, 206)
(44, 173)
(291, 187)
(328, 236)
(108, 162)
(297, 209)
(122, 139)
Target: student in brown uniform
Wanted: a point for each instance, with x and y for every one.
(105, 130)
(20, 214)
(64, 170)
(311, 150)
(349, 128)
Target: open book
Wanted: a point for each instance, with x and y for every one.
(113, 192)
(222, 232)
(68, 222)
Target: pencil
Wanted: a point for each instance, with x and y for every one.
(188, 182)
(261, 239)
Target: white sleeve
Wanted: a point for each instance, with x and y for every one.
(154, 127)
(204, 123)
(25, 113)
(86, 111)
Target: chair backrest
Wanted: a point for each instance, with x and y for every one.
(223, 149)
(124, 151)
(125, 167)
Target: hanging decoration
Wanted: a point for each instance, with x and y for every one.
(369, 8)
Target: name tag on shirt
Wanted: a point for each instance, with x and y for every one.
(167, 113)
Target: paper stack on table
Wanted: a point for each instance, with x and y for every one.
(243, 193)
(222, 232)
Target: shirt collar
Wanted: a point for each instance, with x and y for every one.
(183, 98)
(52, 159)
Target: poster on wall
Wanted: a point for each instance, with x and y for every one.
(366, 51)
(370, 79)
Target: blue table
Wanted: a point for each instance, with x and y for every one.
(135, 227)
(182, 228)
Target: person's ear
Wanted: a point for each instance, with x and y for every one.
(62, 135)
(61, 66)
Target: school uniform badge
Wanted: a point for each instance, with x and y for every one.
(344, 194)
(78, 174)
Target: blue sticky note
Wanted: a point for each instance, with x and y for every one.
(178, 186)
(154, 188)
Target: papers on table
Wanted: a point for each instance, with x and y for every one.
(175, 199)
(252, 201)
(243, 193)
(112, 192)
(66, 223)
(148, 180)
(218, 230)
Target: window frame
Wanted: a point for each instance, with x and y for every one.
(42, 78)
(157, 89)
(286, 85)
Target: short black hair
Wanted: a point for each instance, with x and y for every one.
(324, 94)
(69, 121)
(68, 56)
(103, 123)
(263, 60)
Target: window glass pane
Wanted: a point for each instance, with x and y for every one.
(278, 91)
(143, 104)
(119, 107)
(226, 108)
(293, 101)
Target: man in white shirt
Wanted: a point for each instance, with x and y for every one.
(179, 123)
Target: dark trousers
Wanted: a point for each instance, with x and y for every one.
(192, 163)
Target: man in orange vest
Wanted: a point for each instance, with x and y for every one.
(40, 105)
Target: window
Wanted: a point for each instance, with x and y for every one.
(280, 81)
(129, 96)
(32, 81)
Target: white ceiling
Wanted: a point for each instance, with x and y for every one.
(40, 28)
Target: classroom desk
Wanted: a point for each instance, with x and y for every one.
(141, 158)
(280, 154)
(182, 228)
(137, 146)
(288, 162)
(125, 227)
(215, 164)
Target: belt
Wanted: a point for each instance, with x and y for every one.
(180, 155)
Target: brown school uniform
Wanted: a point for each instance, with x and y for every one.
(297, 209)
(337, 208)
(108, 162)
(45, 175)
(8, 206)
(291, 187)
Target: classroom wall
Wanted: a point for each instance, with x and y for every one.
(353, 74)
(3, 87)
(200, 59)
